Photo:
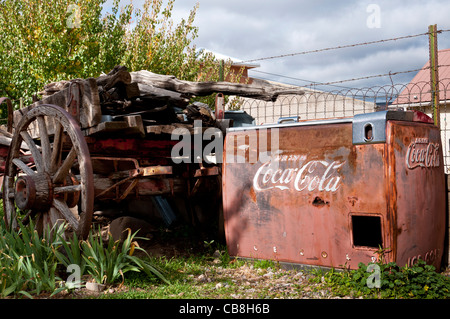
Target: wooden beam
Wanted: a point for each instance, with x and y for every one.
(169, 82)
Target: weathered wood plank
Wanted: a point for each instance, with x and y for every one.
(107, 127)
(149, 91)
(80, 99)
(135, 121)
(131, 125)
(169, 128)
(119, 74)
(171, 83)
(132, 90)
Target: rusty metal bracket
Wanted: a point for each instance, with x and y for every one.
(220, 106)
(207, 171)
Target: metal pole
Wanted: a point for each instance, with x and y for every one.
(434, 73)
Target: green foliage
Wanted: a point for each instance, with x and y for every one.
(69, 252)
(155, 44)
(108, 264)
(265, 264)
(27, 263)
(420, 281)
(31, 264)
(46, 41)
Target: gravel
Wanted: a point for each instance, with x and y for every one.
(249, 282)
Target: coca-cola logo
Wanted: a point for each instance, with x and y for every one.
(422, 153)
(298, 174)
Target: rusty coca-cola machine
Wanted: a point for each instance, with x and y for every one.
(333, 192)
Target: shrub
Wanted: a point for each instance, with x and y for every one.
(108, 264)
(419, 281)
(31, 264)
(28, 264)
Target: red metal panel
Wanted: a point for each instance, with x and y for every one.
(417, 191)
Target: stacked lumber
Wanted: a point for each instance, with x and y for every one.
(141, 102)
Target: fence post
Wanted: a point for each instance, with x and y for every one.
(434, 73)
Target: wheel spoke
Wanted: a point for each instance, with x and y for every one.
(57, 148)
(63, 170)
(37, 157)
(24, 167)
(45, 143)
(39, 223)
(10, 193)
(51, 220)
(65, 211)
(26, 218)
(67, 189)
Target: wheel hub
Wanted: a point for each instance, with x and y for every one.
(33, 192)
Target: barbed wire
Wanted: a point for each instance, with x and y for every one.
(340, 47)
(333, 83)
(376, 76)
(365, 77)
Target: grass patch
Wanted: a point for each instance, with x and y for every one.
(32, 266)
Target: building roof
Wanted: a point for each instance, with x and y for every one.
(419, 89)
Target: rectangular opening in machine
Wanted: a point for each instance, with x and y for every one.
(366, 231)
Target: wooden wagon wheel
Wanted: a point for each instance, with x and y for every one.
(54, 185)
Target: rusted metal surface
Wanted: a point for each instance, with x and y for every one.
(417, 184)
(322, 198)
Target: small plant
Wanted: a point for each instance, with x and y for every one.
(69, 252)
(107, 264)
(31, 264)
(265, 264)
(418, 281)
(28, 262)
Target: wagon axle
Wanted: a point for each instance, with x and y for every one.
(36, 192)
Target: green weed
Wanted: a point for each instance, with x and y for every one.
(420, 281)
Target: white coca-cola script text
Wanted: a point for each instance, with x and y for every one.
(319, 175)
(422, 153)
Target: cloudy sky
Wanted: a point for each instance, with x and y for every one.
(256, 29)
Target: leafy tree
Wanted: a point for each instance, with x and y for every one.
(45, 41)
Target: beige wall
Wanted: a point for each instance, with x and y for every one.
(311, 105)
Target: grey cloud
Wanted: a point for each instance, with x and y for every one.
(249, 29)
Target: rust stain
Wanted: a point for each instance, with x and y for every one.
(252, 194)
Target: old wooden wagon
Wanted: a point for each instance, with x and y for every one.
(104, 143)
